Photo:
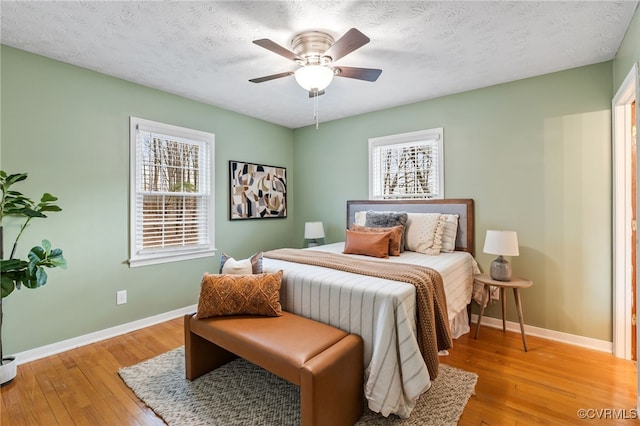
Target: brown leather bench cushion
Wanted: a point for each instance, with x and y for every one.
(282, 345)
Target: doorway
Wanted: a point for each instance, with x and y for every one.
(634, 229)
(624, 216)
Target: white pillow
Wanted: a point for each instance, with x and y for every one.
(424, 233)
(449, 232)
(237, 267)
(360, 218)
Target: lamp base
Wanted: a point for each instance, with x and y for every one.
(500, 269)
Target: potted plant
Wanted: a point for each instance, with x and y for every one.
(14, 273)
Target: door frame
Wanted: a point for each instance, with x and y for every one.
(622, 212)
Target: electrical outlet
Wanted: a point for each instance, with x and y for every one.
(121, 297)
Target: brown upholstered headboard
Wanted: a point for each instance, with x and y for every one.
(462, 206)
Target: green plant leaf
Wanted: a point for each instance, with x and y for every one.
(47, 198)
(10, 202)
(45, 257)
(18, 272)
(17, 205)
(16, 195)
(58, 262)
(30, 283)
(36, 254)
(11, 179)
(41, 277)
(32, 213)
(7, 286)
(8, 211)
(56, 259)
(8, 265)
(31, 267)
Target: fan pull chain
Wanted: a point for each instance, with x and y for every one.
(315, 109)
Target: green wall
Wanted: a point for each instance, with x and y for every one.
(628, 53)
(68, 127)
(533, 154)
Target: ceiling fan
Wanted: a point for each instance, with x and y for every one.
(316, 52)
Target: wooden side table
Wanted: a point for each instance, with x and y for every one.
(516, 284)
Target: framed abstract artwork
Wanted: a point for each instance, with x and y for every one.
(257, 191)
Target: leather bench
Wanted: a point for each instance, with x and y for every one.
(326, 363)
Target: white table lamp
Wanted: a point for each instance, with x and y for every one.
(313, 231)
(502, 243)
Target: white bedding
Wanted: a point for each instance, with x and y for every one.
(383, 313)
(457, 270)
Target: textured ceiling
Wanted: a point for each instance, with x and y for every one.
(204, 50)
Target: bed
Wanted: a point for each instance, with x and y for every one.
(383, 311)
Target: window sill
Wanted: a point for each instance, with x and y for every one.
(175, 257)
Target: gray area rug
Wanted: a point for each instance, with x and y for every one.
(240, 394)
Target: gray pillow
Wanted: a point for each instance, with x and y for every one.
(386, 220)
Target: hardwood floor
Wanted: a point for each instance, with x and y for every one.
(547, 385)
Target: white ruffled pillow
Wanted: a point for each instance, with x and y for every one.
(424, 233)
(449, 232)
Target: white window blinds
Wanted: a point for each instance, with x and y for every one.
(407, 166)
(172, 195)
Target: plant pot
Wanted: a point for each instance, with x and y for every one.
(8, 370)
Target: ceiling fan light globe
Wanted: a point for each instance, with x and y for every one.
(314, 78)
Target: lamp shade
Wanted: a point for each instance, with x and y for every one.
(502, 243)
(314, 77)
(313, 230)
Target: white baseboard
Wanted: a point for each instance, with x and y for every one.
(65, 345)
(558, 336)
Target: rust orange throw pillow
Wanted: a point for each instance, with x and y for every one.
(256, 294)
(394, 238)
(369, 244)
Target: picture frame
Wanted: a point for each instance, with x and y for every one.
(257, 191)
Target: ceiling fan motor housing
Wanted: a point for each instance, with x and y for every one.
(311, 45)
(314, 52)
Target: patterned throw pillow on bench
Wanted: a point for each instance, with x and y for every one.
(252, 294)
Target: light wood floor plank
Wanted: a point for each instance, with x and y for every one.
(46, 377)
(545, 386)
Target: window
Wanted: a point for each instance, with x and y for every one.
(408, 165)
(171, 187)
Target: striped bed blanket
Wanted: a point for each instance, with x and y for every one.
(433, 333)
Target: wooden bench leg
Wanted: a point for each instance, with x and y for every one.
(200, 355)
(331, 385)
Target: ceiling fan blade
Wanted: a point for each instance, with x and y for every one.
(350, 41)
(368, 74)
(314, 94)
(276, 48)
(271, 77)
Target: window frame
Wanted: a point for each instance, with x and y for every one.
(435, 135)
(173, 254)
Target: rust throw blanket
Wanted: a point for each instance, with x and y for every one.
(433, 322)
